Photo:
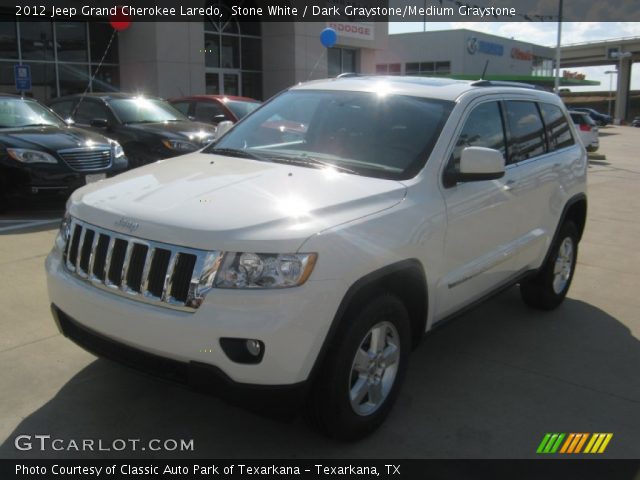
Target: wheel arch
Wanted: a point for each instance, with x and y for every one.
(575, 210)
(405, 279)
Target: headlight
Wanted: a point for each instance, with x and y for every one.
(118, 152)
(262, 270)
(64, 233)
(25, 155)
(179, 145)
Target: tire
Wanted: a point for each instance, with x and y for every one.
(330, 408)
(547, 289)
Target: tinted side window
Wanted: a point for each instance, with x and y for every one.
(527, 138)
(89, 110)
(206, 112)
(558, 130)
(483, 128)
(63, 108)
(183, 107)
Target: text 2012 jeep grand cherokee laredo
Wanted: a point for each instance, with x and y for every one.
(309, 248)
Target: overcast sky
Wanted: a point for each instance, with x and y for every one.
(544, 33)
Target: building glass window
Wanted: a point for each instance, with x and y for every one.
(8, 39)
(36, 40)
(428, 68)
(233, 54)
(79, 48)
(71, 40)
(341, 60)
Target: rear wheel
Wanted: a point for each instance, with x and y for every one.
(550, 286)
(363, 371)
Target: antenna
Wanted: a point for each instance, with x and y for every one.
(484, 71)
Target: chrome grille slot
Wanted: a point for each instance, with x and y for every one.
(85, 251)
(136, 266)
(182, 276)
(143, 270)
(158, 271)
(100, 257)
(86, 160)
(114, 276)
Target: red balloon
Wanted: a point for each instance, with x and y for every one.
(120, 21)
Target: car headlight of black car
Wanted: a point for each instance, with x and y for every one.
(25, 155)
(118, 152)
(179, 145)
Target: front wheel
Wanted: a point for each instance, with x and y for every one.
(549, 287)
(363, 371)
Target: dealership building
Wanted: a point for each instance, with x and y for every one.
(172, 59)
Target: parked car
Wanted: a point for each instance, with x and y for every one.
(148, 128)
(41, 154)
(214, 109)
(602, 119)
(635, 122)
(308, 268)
(587, 129)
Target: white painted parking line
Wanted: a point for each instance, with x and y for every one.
(29, 224)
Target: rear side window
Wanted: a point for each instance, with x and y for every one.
(483, 128)
(89, 110)
(183, 107)
(558, 130)
(63, 108)
(527, 138)
(209, 112)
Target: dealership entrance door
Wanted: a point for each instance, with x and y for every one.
(222, 82)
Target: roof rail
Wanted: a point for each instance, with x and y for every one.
(502, 83)
(348, 75)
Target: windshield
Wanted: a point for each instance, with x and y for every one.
(145, 110)
(241, 109)
(17, 112)
(385, 136)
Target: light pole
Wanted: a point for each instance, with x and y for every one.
(610, 73)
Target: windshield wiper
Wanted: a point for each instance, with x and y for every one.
(315, 162)
(237, 152)
(35, 125)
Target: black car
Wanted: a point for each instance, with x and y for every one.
(40, 153)
(148, 128)
(601, 119)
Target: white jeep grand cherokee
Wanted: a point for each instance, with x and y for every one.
(305, 253)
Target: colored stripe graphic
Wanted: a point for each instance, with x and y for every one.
(573, 443)
(598, 443)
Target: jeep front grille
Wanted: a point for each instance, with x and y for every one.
(87, 159)
(143, 270)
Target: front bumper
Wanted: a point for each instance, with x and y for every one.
(281, 400)
(292, 324)
(26, 180)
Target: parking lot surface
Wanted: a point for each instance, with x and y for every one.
(488, 385)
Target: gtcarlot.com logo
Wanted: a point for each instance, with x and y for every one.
(574, 443)
(47, 443)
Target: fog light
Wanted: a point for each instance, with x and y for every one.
(243, 350)
(254, 347)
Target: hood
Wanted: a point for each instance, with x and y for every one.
(184, 130)
(215, 202)
(49, 138)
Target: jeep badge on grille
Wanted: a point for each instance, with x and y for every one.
(128, 224)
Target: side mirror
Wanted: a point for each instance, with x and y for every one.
(100, 123)
(219, 118)
(476, 164)
(69, 121)
(223, 127)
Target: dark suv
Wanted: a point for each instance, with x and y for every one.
(148, 128)
(40, 153)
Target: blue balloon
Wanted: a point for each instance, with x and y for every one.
(328, 37)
